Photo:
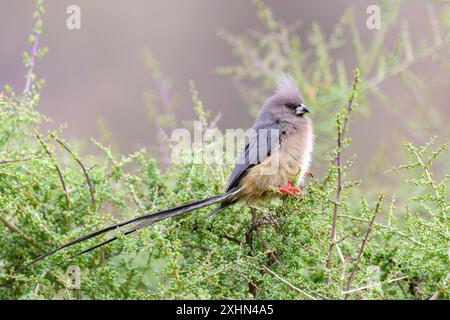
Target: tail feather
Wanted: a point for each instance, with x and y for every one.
(146, 221)
(164, 215)
(222, 207)
(132, 230)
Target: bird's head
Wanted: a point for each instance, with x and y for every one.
(286, 104)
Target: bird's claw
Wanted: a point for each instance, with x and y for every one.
(290, 190)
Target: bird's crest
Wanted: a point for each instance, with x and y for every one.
(287, 88)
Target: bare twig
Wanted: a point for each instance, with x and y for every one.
(363, 245)
(338, 162)
(88, 180)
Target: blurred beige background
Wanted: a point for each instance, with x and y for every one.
(99, 70)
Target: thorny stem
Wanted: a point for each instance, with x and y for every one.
(373, 286)
(363, 246)
(18, 160)
(60, 174)
(290, 285)
(384, 227)
(134, 196)
(88, 179)
(338, 162)
(252, 285)
(254, 229)
(230, 238)
(16, 229)
(444, 210)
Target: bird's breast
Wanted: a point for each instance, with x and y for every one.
(293, 157)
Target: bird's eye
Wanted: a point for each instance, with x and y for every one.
(291, 105)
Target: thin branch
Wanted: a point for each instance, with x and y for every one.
(439, 291)
(134, 196)
(187, 244)
(338, 162)
(290, 285)
(91, 187)
(252, 285)
(372, 286)
(363, 245)
(19, 160)
(384, 227)
(30, 183)
(231, 238)
(34, 51)
(16, 229)
(444, 210)
(60, 174)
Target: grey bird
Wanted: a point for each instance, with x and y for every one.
(278, 152)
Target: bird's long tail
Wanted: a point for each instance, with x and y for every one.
(141, 222)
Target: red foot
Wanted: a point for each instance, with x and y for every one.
(290, 190)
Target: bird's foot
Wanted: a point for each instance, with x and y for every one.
(290, 190)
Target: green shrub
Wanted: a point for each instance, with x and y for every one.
(342, 239)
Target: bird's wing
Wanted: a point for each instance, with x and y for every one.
(264, 142)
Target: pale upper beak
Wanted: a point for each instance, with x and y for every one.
(301, 109)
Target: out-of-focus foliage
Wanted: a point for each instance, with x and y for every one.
(322, 75)
(337, 241)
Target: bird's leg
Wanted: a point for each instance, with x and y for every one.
(290, 190)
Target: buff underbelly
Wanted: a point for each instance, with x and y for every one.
(277, 170)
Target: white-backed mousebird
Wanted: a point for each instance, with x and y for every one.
(278, 152)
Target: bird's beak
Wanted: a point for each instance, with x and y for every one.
(301, 109)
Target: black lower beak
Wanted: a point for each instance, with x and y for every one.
(301, 109)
